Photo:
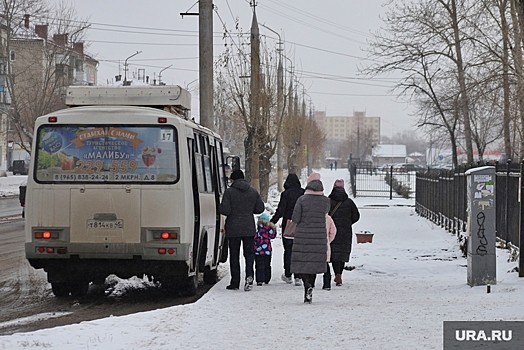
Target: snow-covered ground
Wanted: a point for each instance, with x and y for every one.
(9, 184)
(404, 285)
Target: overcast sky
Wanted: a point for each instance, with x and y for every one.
(326, 40)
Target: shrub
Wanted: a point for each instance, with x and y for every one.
(398, 187)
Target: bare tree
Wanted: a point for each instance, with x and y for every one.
(425, 42)
(517, 18)
(234, 102)
(37, 77)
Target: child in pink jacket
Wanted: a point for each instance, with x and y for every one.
(331, 233)
(266, 231)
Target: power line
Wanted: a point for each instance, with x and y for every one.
(317, 18)
(309, 25)
(342, 94)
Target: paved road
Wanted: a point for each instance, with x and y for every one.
(27, 300)
(10, 207)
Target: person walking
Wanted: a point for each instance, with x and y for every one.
(239, 203)
(292, 191)
(310, 246)
(266, 231)
(344, 213)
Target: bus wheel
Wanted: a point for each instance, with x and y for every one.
(210, 275)
(169, 283)
(79, 289)
(191, 286)
(60, 289)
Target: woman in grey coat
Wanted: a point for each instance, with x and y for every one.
(310, 246)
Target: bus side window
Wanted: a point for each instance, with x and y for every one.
(207, 164)
(221, 174)
(198, 164)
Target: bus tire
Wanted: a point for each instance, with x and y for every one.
(79, 289)
(169, 284)
(60, 289)
(210, 275)
(191, 286)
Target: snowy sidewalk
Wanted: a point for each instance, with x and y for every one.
(405, 284)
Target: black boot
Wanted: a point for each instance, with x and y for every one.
(308, 295)
(308, 291)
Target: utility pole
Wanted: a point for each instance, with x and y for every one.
(280, 111)
(309, 151)
(205, 9)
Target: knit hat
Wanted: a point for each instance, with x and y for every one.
(263, 216)
(339, 183)
(313, 176)
(237, 174)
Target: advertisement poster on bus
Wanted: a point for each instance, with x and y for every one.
(104, 153)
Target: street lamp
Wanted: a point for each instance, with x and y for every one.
(160, 75)
(125, 67)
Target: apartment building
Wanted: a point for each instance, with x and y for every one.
(343, 128)
(42, 65)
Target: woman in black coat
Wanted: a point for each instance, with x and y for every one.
(288, 198)
(344, 216)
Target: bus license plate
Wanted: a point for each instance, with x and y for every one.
(105, 225)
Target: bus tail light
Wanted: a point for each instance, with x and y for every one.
(52, 119)
(46, 234)
(166, 235)
(161, 250)
(51, 250)
(162, 120)
(169, 235)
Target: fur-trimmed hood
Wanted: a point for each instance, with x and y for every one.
(266, 223)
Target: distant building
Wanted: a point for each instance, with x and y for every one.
(39, 63)
(343, 128)
(389, 154)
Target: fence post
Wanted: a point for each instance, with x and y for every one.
(506, 218)
(391, 182)
(521, 222)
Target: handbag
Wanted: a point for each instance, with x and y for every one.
(289, 232)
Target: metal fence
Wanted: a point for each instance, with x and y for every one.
(442, 198)
(367, 180)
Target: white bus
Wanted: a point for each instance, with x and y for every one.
(118, 188)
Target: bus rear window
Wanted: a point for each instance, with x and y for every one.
(106, 154)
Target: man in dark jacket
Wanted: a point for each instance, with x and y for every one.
(239, 203)
(288, 198)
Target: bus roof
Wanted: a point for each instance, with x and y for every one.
(145, 95)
